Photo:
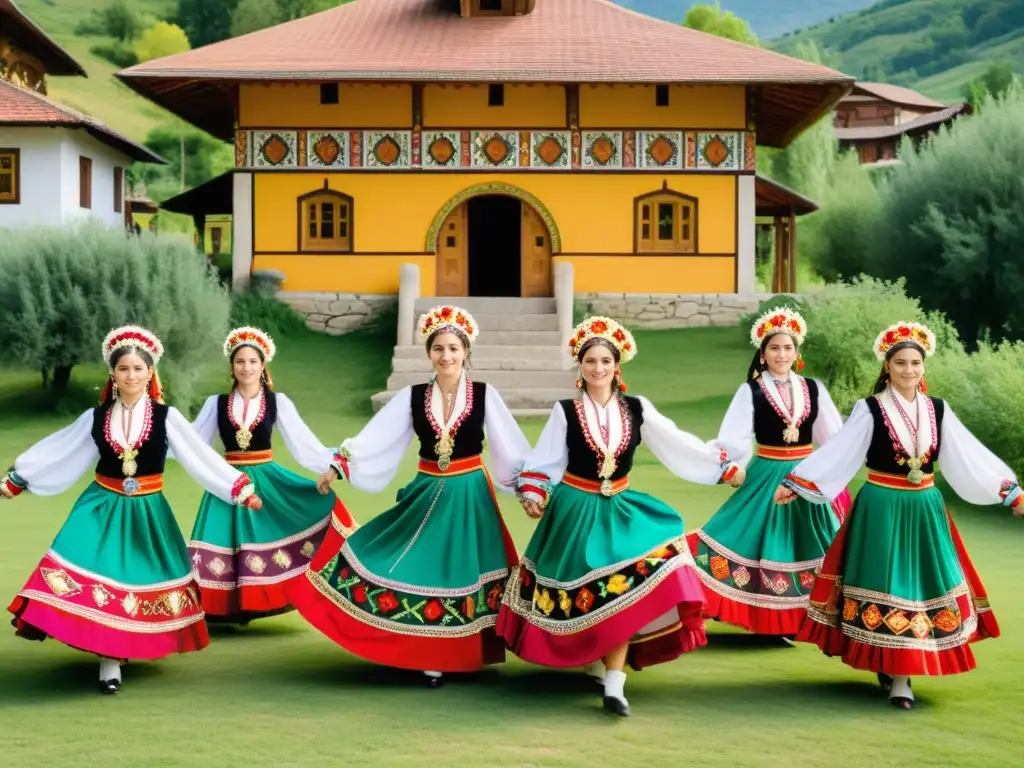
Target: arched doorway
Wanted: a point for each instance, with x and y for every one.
(493, 240)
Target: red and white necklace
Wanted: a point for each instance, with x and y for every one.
(243, 434)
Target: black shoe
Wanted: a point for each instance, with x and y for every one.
(901, 702)
(616, 705)
(110, 686)
(885, 681)
(433, 682)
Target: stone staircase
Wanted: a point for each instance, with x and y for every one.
(519, 351)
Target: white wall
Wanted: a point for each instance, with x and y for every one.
(49, 177)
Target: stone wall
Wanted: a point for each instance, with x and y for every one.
(337, 313)
(671, 310)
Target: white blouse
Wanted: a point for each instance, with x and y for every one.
(375, 454)
(298, 438)
(55, 463)
(736, 435)
(683, 454)
(973, 472)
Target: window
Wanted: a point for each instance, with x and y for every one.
(118, 190)
(496, 95)
(661, 95)
(325, 221)
(328, 93)
(215, 239)
(666, 221)
(10, 176)
(84, 182)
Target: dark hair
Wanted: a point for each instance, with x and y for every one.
(597, 341)
(756, 366)
(460, 334)
(883, 378)
(264, 380)
(121, 352)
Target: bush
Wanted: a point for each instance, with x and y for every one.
(267, 313)
(117, 53)
(63, 288)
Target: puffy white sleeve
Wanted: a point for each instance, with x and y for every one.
(203, 464)
(829, 421)
(823, 475)
(299, 439)
(976, 474)
(205, 424)
(505, 440)
(371, 459)
(736, 435)
(545, 465)
(55, 463)
(683, 454)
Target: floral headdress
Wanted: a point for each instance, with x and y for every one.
(778, 320)
(916, 333)
(603, 328)
(247, 336)
(133, 337)
(450, 318)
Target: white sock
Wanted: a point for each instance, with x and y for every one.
(901, 688)
(109, 670)
(615, 684)
(595, 669)
(430, 673)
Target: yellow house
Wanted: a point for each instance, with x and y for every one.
(487, 141)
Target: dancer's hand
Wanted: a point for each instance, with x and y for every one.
(738, 478)
(1018, 511)
(533, 509)
(324, 483)
(254, 503)
(784, 495)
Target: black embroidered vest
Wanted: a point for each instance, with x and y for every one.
(584, 461)
(261, 433)
(885, 449)
(152, 453)
(768, 425)
(469, 437)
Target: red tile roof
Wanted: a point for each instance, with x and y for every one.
(918, 125)
(561, 41)
(896, 94)
(29, 36)
(22, 107)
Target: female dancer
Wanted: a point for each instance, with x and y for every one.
(756, 559)
(419, 586)
(243, 558)
(117, 581)
(607, 574)
(897, 593)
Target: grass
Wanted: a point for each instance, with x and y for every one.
(280, 693)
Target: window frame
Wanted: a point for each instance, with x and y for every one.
(678, 246)
(336, 245)
(15, 153)
(85, 182)
(118, 189)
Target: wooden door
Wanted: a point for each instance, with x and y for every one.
(535, 266)
(453, 255)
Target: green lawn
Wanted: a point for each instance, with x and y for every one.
(280, 694)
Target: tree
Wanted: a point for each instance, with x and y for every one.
(194, 157)
(714, 21)
(206, 21)
(121, 21)
(996, 82)
(162, 39)
(252, 15)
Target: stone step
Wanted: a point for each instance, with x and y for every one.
(488, 323)
(522, 402)
(523, 362)
(502, 379)
(490, 352)
(482, 305)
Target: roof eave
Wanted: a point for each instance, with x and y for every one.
(71, 67)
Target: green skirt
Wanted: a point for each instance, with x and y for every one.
(757, 559)
(420, 585)
(897, 592)
(245, 556)
(117, 581)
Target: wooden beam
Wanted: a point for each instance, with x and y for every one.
(792, 251)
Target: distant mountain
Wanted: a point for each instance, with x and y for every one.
(768, 18)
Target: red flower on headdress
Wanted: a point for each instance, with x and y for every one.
(598, 326)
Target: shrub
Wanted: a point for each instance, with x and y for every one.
(116, 52)
(63, 288)
(267, 313)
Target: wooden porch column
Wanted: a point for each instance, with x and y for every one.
(791, 288)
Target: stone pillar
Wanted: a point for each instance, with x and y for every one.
(746, 240)
(241, 239)
(408, 292)
(564, 297)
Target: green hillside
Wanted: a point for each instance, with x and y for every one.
(934, 46)
(100, 94)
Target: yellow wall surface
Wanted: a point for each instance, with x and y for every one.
(594, 214)
(465, 106)
(689, 106)
(297, 105)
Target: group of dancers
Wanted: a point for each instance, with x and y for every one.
(609, 579)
